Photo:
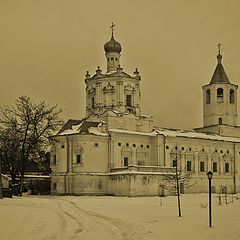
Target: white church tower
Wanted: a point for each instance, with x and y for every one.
(114, 96)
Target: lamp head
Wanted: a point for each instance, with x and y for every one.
(210, 175)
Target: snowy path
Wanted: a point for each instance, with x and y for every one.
(116, 218)
(60, 218)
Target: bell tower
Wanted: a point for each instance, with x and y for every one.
(219, 98)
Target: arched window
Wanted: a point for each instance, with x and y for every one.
(208, 96)
(175, 156)
(220, 122)
(203, 161)
(227, 160)
(220, 95)
(189, 161)
(215, 161)
(126, 156)
(231, 96)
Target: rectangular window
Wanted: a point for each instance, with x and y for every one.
(125, 161)
(93, 102)
(174, 163)
(78, 157)
(227, 167)
(54, 159)
(202, 167)
(129, 100)
(189, 166)
(214, 167)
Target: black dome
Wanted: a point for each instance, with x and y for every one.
(112, 46)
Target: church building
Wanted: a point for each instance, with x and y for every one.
(116, 150)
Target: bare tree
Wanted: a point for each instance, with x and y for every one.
(26, 128)
(10, 151)
(181, 179)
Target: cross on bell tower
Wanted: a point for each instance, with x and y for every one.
(112, 28)
(219, 48)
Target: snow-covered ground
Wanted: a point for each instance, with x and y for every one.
(115, 218)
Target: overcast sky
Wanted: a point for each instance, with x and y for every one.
(47, 46)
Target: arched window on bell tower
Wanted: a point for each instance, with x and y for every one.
(219, 95)
(208, 96)
(220, 122)
(231, 96)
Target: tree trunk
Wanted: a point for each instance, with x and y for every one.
(1, 193)
(178, 189)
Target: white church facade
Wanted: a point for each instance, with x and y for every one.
(115, 150)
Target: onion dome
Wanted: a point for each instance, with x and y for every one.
(112, 46)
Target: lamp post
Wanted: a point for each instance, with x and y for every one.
(210, 175)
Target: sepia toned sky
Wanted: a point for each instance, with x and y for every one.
(47, 46)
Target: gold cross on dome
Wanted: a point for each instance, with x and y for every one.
(112, 26)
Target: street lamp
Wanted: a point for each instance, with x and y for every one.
(210, 175)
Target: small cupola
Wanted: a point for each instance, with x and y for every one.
(112, 52)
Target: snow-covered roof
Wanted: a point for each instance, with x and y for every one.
(132, 132)
(81, 127)
(193, 134)
(179, 133)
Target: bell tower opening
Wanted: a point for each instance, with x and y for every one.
(231, 96)
(220, 121)
(208, 96)
(220, 95)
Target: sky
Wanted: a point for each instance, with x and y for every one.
(47, 46)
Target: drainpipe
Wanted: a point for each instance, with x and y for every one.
(110, 152)
(234, 168)
(164, 150)
(67, 170)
